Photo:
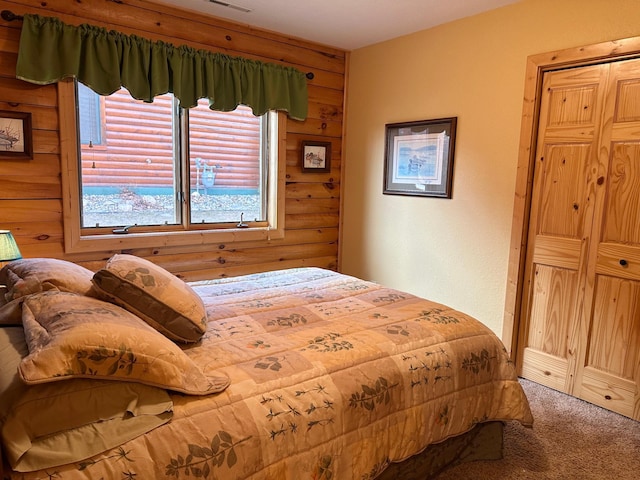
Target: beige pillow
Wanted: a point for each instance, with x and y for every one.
(71, 335)
(32, 275)
(12, 349)
(52, 424)
(152, 293)
(11, 313)
(63, 422)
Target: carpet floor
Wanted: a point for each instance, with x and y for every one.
(570, 440)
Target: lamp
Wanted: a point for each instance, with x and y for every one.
(8, 247)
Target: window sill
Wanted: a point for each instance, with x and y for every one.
(94, 243)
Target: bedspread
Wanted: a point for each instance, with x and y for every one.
(332, 377)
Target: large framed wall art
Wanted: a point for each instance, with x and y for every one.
(419, 157)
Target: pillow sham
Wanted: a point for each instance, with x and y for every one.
(33, 275)
(63, 422)
(13, 348)
(52, 424)
(11, 313)
(71, 335)
(152, 293)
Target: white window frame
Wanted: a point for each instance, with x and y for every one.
(78, 240)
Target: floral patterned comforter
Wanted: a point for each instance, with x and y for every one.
(331, 377)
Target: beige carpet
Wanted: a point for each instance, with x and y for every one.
(570, 440)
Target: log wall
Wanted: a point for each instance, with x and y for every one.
(30, 190)
(137, 146)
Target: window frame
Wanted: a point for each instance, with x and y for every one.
(76, 239)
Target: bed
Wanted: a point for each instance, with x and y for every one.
(302, 373)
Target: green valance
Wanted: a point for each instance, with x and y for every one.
(51, 50)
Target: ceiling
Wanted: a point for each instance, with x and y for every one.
(345, 24)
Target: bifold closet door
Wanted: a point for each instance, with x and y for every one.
(562, 214)
(581, 324)
(610, 373)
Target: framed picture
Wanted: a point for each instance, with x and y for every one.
(15, 135)
(419, 157)
(316, 156)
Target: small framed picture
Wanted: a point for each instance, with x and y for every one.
(15, 135)
(316, 156)
(419, 157)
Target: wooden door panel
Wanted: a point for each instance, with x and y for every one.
(573, 104)
(563, 188)
(580, 312)
(577, 134)
(610, 392)
(618, 260)
(561, 252)
(628, 96)
(563, 199)
(615, 328)
(610, 373)
(545, 369)
(621, 215)
(552, 309)
(572, 96)
(625, 131)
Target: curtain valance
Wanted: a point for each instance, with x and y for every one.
(51, 50)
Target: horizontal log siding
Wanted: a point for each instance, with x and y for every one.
(30, 197)
(232, 146)
(137, 145)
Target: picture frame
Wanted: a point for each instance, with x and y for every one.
(15, 135)
(419, 157)
(316, 156)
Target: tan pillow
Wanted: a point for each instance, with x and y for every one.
(152, 293)
(11, 313)
(13, 348)
(63, 422)
(71, 335)
(32, 275)
(56, 423)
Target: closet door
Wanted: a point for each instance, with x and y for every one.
(565, 192)
(611, 373)
(581, 333)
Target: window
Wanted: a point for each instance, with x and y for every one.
(145, 171)
(90, 120)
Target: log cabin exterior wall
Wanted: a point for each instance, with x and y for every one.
(31, 198)
(135, 146)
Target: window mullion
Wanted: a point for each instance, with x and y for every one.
(181, 157)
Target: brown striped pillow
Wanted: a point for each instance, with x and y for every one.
(152, 293)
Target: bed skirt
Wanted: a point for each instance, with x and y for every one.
(483, 442)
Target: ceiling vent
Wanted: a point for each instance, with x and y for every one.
(230, 5)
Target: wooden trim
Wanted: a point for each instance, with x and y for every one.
(68, 164)
(75, 242)
(343, 149)
(276, 215)
(536, 66)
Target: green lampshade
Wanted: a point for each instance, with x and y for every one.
(8, 247)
